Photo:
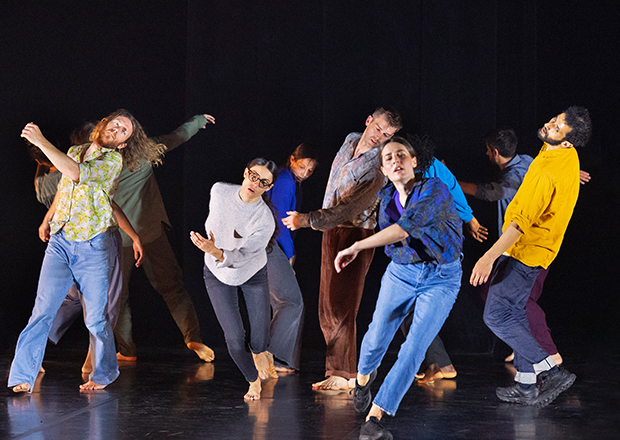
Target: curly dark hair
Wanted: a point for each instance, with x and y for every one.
(273, 169)
(139, 146)
(578, 119)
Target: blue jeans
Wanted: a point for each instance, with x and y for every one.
(88, 264)
(433, 289)
(225, 301)
(505, 314)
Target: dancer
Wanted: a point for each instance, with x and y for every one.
(47, 178)
(286, 301)
(80, 247)
(422, 234)
(240, 227)
(534, 226)
(346, 217)
(501, 148)
(139, 196)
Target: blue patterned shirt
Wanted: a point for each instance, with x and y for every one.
(430, 219)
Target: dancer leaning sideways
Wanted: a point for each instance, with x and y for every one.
(422, 234)
(534, 227)
(81, 246)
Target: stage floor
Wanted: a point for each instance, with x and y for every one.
(172, 394)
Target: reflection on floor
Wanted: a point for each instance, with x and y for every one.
(173, 394)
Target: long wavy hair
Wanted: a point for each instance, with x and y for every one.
(139, 146)
(273, 169)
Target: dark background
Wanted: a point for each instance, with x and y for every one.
(276, 73)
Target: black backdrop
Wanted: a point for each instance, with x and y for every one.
(276, 73)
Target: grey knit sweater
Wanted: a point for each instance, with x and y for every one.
(242, 230)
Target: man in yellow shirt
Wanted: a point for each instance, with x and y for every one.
(534, 226)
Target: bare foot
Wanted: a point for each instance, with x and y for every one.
(449, 372)
(334, 383)
(284, 370)
(91, 386)
(254, 391)
(121, 357)
(271, 370)
(203, 352)
(264, 364)
(22, 388)
(87, 368)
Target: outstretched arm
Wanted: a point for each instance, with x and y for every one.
(125, 225)
(184, 132)
(60, 160)
(386, 236)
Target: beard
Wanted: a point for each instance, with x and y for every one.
(545, 138)
(105, 141)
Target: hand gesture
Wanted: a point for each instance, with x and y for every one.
(476, 230)
(344, 258)
(32, 133)
(210, 120)
(584, 177)
(44, 230)
(138, 252)
(481, 271)
(292, 221)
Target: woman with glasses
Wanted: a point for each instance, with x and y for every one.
(286, 300)
(241, 229)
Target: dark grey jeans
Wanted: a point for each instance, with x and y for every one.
(225, 301)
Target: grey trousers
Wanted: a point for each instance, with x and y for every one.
(287, 307)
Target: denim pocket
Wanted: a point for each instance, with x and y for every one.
(100, 242)
(450, 270)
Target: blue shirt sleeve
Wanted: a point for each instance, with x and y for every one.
(283, 198)
(439, 170)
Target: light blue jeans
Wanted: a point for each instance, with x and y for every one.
(88, 264)
(432, 288)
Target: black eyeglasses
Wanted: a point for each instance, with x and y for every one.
(255, 177)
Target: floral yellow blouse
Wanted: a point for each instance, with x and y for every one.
(83, 208)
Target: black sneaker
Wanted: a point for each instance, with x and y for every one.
(552, 384)
(373, 430)
(517, 394)
(361, 394)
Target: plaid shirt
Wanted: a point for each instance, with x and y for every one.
(83, 208)
(430, 219)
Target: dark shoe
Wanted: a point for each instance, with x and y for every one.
(361, 394)
(517, 394)
(552, 384)
(373, 430)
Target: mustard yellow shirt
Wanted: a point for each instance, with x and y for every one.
(83, 209)
(544, 205)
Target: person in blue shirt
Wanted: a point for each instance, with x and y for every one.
(422, 234)
(286, 299)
